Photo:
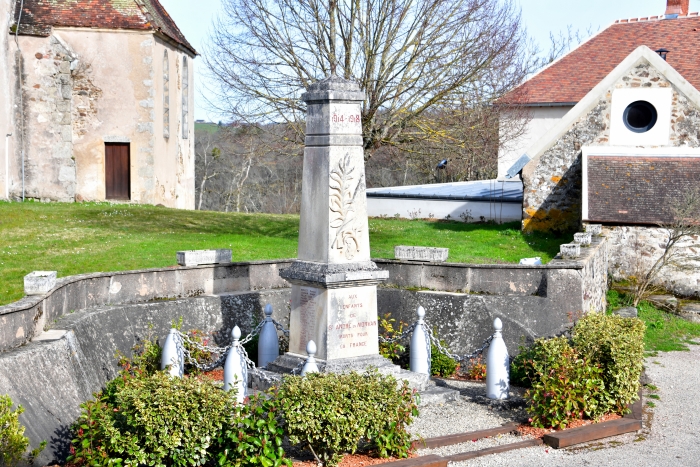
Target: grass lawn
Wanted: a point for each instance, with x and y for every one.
(665, 331)
(74, 238)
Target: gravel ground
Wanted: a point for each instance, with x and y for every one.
(670, 436)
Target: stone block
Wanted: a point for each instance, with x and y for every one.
(197, 257)
(583, 238)
(626, 312)
(39, 282)
(594, 229)
(420, 253)
(570, 250)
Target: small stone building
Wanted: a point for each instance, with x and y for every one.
(96, 100)
(552, 92)
(623, 157)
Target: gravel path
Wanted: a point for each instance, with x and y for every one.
(671, 436)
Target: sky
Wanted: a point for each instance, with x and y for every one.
(541, 17)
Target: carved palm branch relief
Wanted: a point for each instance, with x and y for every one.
(342, 206)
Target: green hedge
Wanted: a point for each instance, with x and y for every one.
(146, 417)
(616, 344)
(594, 373)
(335, 413)
(13, 443)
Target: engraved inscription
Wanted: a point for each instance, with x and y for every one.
(346, 118)
(307, 315)
(349, 331)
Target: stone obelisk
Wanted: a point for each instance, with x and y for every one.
(334, 282)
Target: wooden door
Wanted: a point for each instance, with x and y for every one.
(117, 173)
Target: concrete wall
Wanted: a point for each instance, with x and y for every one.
(539, 121)
(443, 209)
(85, 87)
(25, 319)
(101, 313)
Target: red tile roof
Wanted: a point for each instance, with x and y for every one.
(570, 78)
(39, 16)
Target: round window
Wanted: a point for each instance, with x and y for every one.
(640, 116)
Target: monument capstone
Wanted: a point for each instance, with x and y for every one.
(334, 282)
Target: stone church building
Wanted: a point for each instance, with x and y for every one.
(628, 149)
(96, 101)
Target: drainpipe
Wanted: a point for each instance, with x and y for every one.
(7, 166)
(20, 59)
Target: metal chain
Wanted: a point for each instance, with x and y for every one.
(434, 340)
(281, 328)
(222, 352)
(405, 333)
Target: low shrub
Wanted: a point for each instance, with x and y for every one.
(334, 413)
(255, 439)
(154, 420)
(565, 385)
(594, 373)
(391, 350)
(615, 344)
(521, 373)
(13, 443)
(441, 364)
(476, 369)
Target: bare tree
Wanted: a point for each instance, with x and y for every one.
(680, 231)
(206, 156)
(410, 57)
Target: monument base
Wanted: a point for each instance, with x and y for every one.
(285, 364)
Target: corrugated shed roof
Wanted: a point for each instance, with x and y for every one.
(482, 190)
(39, 16)
(570, 78)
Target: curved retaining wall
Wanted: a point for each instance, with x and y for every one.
(51, 377)
(23, 320)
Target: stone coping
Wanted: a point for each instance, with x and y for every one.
(32, 300)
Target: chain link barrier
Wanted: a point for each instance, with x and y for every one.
(436, 342)
(184, 343)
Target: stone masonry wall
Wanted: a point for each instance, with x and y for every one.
(634, 249)
(50, 170)
(552, 184)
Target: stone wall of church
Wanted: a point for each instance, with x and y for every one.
(83, 88)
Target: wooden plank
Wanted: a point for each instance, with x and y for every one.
(584, 434)
(463, 456)
(636, 409)
(458, 438)
(430, 460)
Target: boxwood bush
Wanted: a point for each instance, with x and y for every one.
(616, 344)
(335, 413)
(13, 443)
(595, 372)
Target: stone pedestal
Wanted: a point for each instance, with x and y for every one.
(334, 295)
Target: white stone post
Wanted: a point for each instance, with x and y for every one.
(497, 365)
(235, 368)
(268, 342)
(173, 357)
(310, 364)
(420, 346)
